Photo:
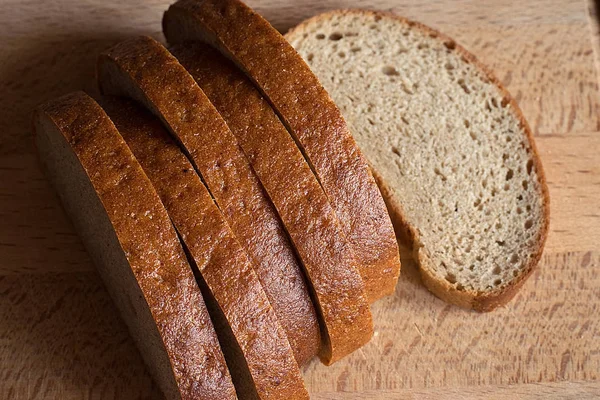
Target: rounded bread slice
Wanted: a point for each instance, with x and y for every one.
(295, 192)
(312, 119)
(143, 69)
(255, 345)
(456, 159)
(135, 248)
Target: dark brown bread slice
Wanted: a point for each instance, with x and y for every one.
(143, 69)
(300, 201)
(311, 117)
(136, 250)
(252, 337)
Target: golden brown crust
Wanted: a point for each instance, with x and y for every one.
(220, 260)
(212, 148)
(299, 199)
(163, 84)
(148, 240)
(311, 117)
(480, 301)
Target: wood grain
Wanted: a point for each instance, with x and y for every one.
(60, 336)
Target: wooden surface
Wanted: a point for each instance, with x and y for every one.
(60, 337)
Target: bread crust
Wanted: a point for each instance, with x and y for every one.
(163, 85)
(298, 198)
(311, 117)
(223, 265)
(151, 247)
(477, 300)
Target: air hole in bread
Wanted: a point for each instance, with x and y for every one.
(320, 36)
(355, 49)
(529, 167)
(310, 57)
(508, 139)
(395, 150)
(450, 277)
(473, 136)
(500, 243)
(496, 270)
(506, 187)
(514, 259)
(389, 71)
(450, 44)
(525, 185)
(463, 85)
(528, 224)
(460, 287)
(467, 123)
(335, 36)
(509, 174)
(497, 282)
(373, 26)
(341, 54)
(519, 210)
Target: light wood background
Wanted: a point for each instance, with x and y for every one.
(60, 336)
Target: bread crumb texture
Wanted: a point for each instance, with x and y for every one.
(444, 138)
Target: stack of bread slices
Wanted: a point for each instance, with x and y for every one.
(232, 215)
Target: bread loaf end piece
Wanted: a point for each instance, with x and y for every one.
(135, 248)
(453, 154)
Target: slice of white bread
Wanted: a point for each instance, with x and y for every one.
(247, 326)
(452, 152)
(137, 252)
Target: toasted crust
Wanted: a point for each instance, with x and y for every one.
(477, 300)
(153, 285)
(143, 69)
(222, 264)
(312, 118)
(299, 199)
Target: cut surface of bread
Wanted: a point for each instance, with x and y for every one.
(296, 194)
(454, 156)
(134, 245)
(247, 326)
(310, 116)
(143, 69)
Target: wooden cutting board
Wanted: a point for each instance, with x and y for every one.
(60, 336)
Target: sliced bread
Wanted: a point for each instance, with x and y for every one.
(134, 245)
(295, 192)
(454, 156)
(255, 346)
(310, 116)
(143, 69)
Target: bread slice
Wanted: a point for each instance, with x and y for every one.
(132, 241)
(255, 345)
(456, 159)
(295, 192)
(310, 116)
(143, 69)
